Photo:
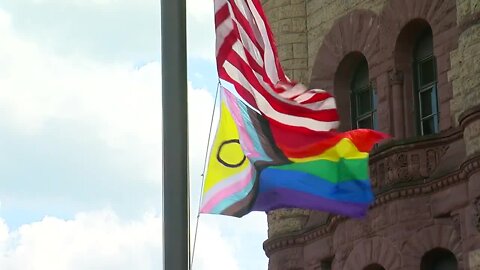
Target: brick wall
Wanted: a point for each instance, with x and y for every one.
(287, 19)
(299, 27)
(317, 35)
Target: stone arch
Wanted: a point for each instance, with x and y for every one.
(429, 238)
(398, 21)
(440, 15)
(354, 32)
(438, 257)
(374, 251)
(342, 82)
(403, 61)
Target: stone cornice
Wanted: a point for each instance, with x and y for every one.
(469, 115)
(387, 148)
(469, 167)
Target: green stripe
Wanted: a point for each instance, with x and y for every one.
(341, 171)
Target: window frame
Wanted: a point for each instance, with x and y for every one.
(355, 93)
(420, 89)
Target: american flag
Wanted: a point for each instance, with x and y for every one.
(247, 58)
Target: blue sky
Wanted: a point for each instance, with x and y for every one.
(80, 138)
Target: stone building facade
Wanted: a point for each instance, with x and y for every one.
(410, 68)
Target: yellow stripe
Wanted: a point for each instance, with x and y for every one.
(230, 153)
(343, 149)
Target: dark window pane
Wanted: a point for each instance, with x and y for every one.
(424, 46)
(365, 123)
(364, 102)
(425, 84)
(439, 259)
(445, 264)
(427, 72)
(360, 79)
(428, 126)
(326, 265)
(426, 102)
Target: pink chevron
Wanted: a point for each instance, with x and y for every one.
(246, 141)
(228, 191)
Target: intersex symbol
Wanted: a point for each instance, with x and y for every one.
(229, 163)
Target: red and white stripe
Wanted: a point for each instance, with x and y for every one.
(248, 59)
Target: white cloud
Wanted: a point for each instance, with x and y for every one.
(201, 29)
(100, 240)
(109, 30)
(80, 2)
(87, 117)
(106, 30)
(89, 241)
(213, 251)
(80, 133)
(37, 86)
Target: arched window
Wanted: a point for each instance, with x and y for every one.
(374, 267)
(326, 264)
(439, 259)
(363, 99)
(425, 82)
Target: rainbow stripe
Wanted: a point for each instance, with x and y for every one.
(256, 165)
(335, 180)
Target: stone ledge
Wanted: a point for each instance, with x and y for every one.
(468, 168)
(469, 116)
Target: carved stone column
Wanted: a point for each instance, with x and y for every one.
(396, 84)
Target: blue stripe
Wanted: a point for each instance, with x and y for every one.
(253, 133)
(223, 205)
(354, 191)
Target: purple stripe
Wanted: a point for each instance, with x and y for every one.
(287, 198)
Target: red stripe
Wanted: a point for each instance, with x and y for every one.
(317, 97)
(225, 49)
(242, 21)
(258, 7)
(247, 71)
(250, 68)
(296, 143)
(242, 91)
(221, 15)
(254, 64)
(328, 115)
(258, 69)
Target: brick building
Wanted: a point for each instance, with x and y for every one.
(410, 68)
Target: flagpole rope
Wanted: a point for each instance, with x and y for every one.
(203, 175)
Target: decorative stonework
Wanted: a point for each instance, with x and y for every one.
(354, 32)
(439, 14)
(286, 221)
(322, 14)
(408, 175)
(476, 218)
(469, 120)
(436, 236)
(395, 77)
(457, 224)
(301, 238)
(376, 250)
(403, 166)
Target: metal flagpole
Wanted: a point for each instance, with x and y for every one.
(175, 136)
